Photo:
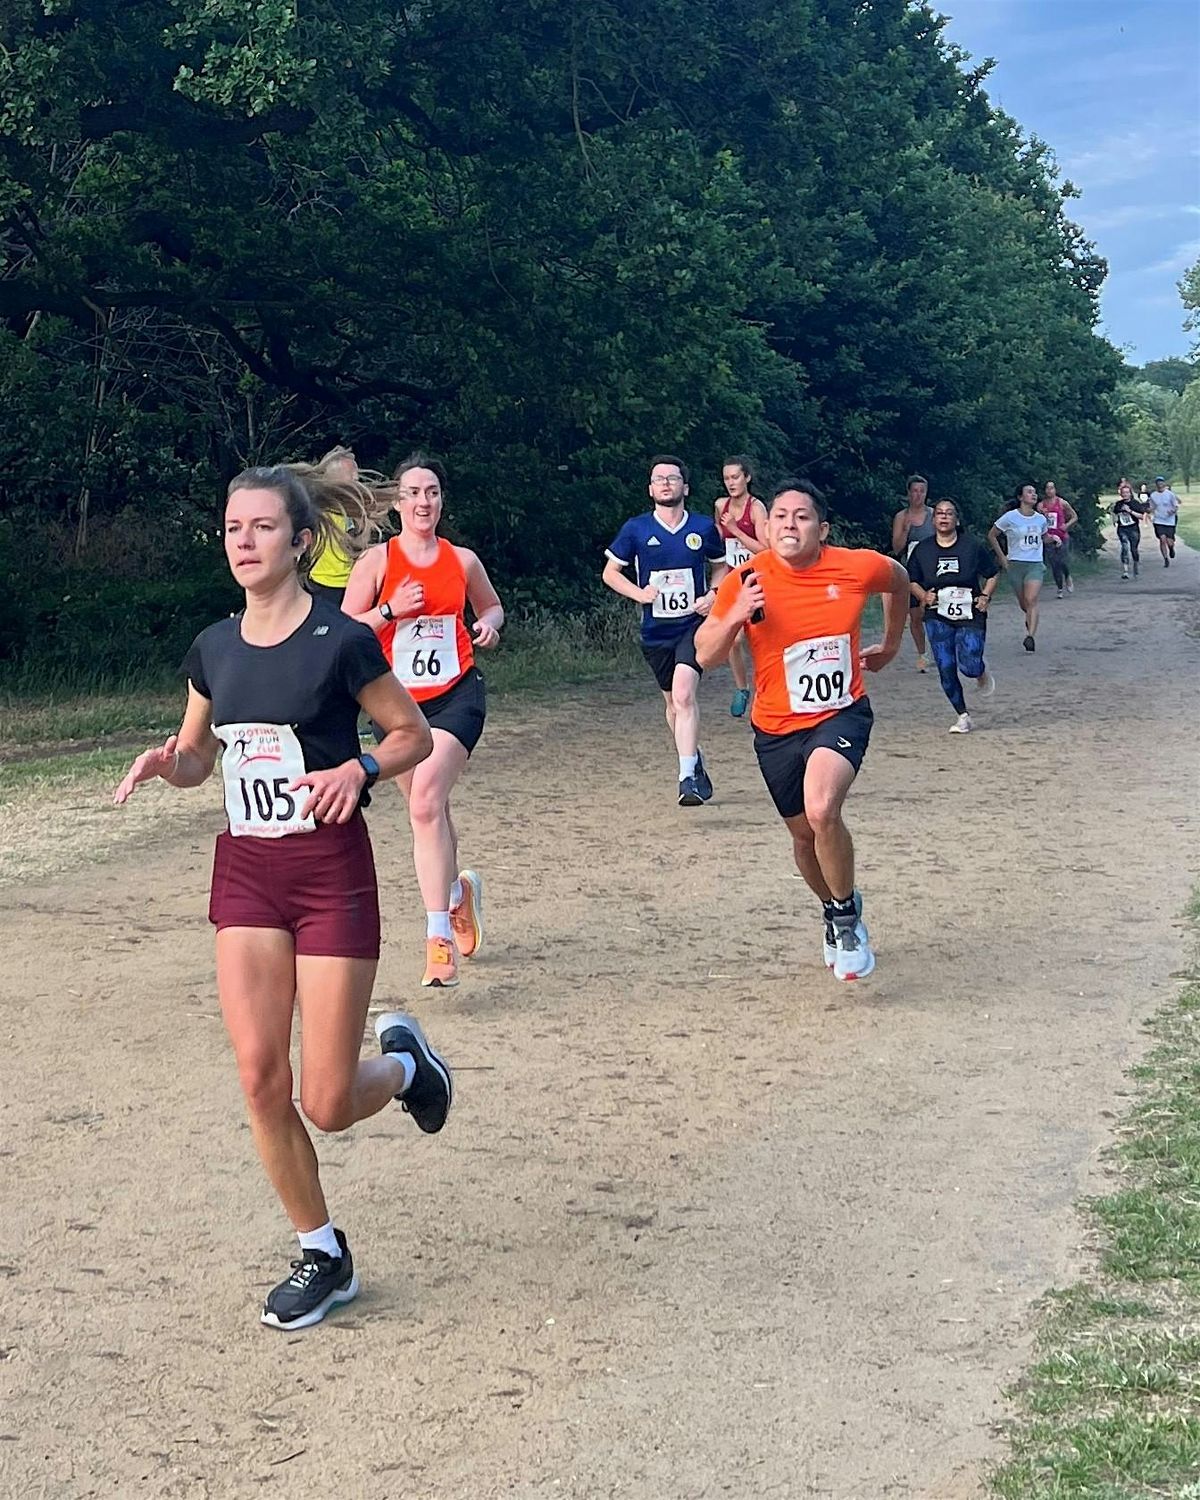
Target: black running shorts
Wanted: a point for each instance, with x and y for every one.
(783, 758)
(1161, 529)
(662, 660)
(460, 710)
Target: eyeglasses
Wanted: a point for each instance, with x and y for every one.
(667, 479)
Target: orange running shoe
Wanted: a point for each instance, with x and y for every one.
(441, 964)
(466, 919)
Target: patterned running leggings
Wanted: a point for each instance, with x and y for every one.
(956, 648)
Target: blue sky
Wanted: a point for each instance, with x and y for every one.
(1114, 87)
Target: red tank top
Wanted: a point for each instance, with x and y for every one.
(746, 522)
(429, 653)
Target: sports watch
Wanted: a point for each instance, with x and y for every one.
(385, 609)
(371, 766)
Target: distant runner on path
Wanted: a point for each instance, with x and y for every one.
(1164, 511)
(1024, 527)
(953, 577)
(1061, 515)
(669, 551)
(414, 592)
(1127, 515)
(801, 604)
(741, 519)
(911, 525)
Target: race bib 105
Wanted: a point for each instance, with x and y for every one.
(735, 553)
(819, 674)
(425, 651)
(259, 764)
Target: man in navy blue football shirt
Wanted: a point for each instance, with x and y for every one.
(669, 551)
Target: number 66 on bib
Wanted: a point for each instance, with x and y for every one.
(425, 651)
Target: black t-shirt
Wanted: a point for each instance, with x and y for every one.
(282, 710)
(1129, 512)
(965, 564)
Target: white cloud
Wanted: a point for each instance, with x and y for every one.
(1122, 157)
(1174, 264)
(1104, 220)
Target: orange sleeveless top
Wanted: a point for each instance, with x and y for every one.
(429, 652)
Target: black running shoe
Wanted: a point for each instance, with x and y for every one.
(689, 793)
(702, 779)
(430, 1094)
(1029, 643)
(318, 1283)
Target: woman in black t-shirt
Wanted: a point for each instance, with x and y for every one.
(954, 577)
(278, 689)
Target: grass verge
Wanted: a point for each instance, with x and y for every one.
(40, 719)
(1111, 1406)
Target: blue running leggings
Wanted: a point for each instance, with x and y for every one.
(956, 648)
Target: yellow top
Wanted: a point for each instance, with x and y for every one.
(333, 566)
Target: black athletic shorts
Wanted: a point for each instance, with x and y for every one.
(460, 710)
(782, 758)
(662, 660)
(1162, 529)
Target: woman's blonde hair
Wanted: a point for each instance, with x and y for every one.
(342, 511)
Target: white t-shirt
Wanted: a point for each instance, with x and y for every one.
(1165, 506)
(1024, 534)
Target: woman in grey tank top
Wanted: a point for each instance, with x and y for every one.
(909, 526)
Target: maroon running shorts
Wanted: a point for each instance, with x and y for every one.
(318, 886)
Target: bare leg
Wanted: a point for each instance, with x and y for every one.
(916, 625)
(683, 711)
(427, 789)
(827, 779)
(257, 978)
(1029, 603)
(739, 662)
(337, 1086)
(805, 854)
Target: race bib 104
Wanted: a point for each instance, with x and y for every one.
(676, 593)
(425, 651)
(735, 553)
(819, 674)
(259, 764)
(955, 605)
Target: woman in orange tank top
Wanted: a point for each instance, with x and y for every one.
(413, 592)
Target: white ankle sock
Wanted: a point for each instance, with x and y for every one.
(456, 894)
(437, 924)
(687, 765)
(320, 1239)
(409, 1064)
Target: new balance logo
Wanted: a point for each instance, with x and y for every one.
(321, 630)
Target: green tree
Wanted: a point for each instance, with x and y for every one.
(546, 239)
(1183, 428)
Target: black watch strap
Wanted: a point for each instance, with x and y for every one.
(385, 609)
(371, 766)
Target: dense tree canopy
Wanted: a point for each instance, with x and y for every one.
(544, 237)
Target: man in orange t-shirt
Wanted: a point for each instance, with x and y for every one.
(801, 603)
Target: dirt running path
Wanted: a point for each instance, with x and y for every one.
(704, 1222)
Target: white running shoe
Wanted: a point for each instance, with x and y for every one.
(985, 686)
(962, 725)
(854, 958)
(829, 940)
